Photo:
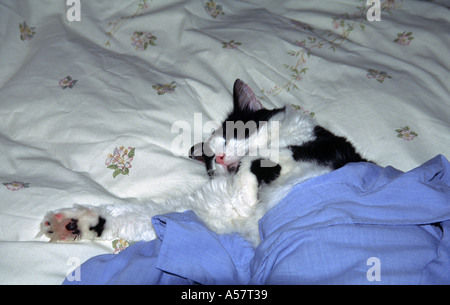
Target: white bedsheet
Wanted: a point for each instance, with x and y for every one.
(122, 81)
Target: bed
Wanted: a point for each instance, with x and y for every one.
(95, 97)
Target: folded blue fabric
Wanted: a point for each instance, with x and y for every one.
(330, 229)
(361, 224)
(186, 252)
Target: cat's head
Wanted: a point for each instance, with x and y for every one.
(243, 132)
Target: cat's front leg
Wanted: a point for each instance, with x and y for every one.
(251, 174)
(245, 188)
(73, 224)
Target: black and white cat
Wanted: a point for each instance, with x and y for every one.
(254, 160)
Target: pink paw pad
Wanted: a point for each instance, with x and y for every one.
(59, 227)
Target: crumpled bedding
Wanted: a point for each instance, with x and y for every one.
(104, 110)
(352, 226)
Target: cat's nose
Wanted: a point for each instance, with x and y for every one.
(220, 159)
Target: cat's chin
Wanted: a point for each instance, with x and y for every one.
(232, 168)
(223, 170)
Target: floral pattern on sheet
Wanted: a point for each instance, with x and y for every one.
(380, 76)
(16, 185)
(119, 245)
(389, 5)
(406, 133)
(116, 25)
(120, 160)
(67, 82)
(231, 44)
(141, 40)
(214, 9)
(404, 39)
(313, 39)
(303, 110)
(26, 32)
(345, 21)
(166, 88)
(296, 70)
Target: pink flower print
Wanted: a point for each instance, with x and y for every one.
(166, 88)
(67, 82)
(214, 9)
(120, 160)
(301, 43)
(16, 185)
(380, 76)
(141, 40)
(389, 5)
(111, 159)
(143, 5)
(26, 32)
(404, 38)
(303, 110)
(336, 24)
(406, 133)
(231, 44)
(120, 245)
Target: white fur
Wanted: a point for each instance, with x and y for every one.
(228, 203)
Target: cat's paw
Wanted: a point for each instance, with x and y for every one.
(245, 186)
(72, 224)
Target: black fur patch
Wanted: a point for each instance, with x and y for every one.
(72, 226)
(327, 149)
(265, 173)
(245, 116)
(208, 159)
(99, 227)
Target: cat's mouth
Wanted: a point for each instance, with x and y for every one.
(231, 165)
(205, 155)
(232, 168)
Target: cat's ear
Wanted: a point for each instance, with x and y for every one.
(244, 98)
(196, 152)
(201, 152)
